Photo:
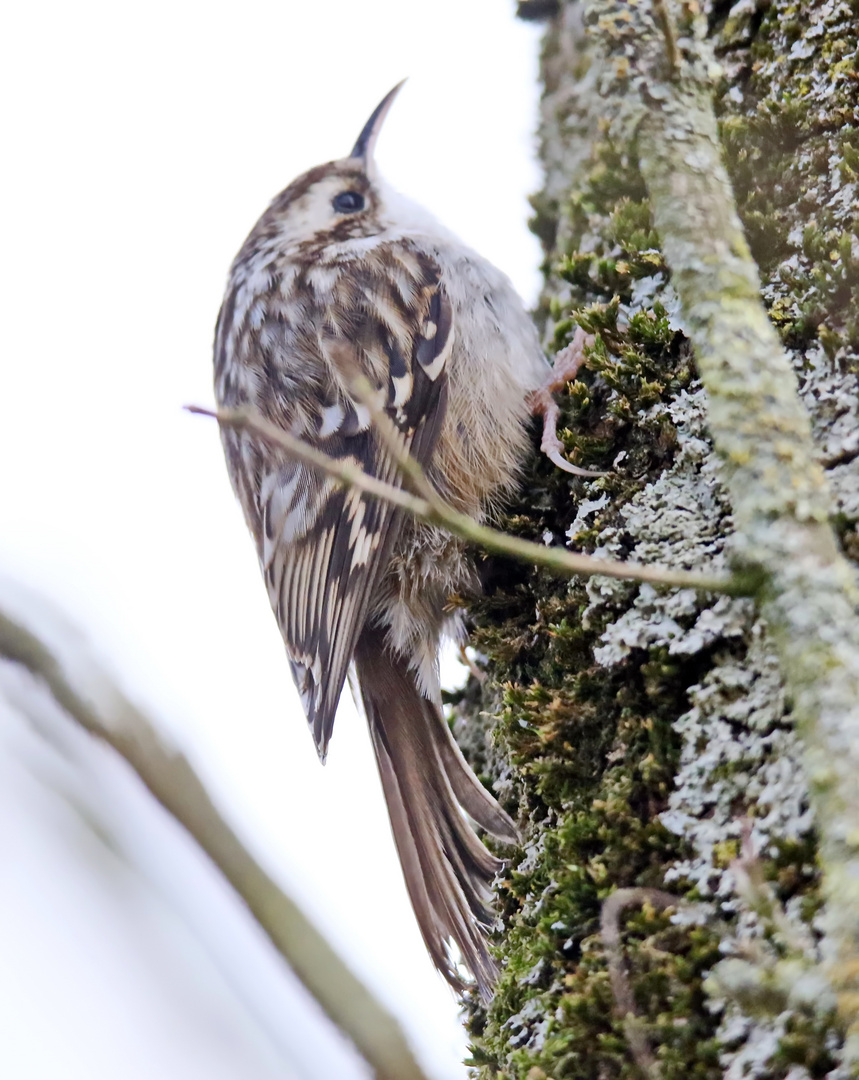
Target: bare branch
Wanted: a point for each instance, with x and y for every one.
(169, 777)
(433, 509)
(348, 474)
(666, 26)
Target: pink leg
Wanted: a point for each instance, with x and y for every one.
(465, 659)
(566, 367)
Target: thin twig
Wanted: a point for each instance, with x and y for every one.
(348, 474)
(639, 1044)
(435, 511)
(169, 777)
(391, 436)
(753, 888)
(666, 25)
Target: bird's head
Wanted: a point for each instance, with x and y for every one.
(338, 201)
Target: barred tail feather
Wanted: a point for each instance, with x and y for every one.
(427, 785)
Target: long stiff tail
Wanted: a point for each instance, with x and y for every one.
(427, 784)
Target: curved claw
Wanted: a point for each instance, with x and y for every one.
(566, 367)
(555, 457)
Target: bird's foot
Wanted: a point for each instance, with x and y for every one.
(466, 661)
(564, 370)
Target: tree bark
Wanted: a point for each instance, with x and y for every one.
(645, 734)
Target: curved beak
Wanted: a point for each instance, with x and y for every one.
(366, 143)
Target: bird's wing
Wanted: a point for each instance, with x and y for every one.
(322, 547)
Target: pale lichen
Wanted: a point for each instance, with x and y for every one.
(645, 735)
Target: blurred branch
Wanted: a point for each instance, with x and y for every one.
(99, 706)
(624, 1001)
(427, 506)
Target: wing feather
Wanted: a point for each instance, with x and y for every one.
(323, 549)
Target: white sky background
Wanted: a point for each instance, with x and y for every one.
(140, 145)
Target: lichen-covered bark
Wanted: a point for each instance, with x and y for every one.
(644, 733)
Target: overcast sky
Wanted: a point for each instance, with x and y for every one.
(140, 143)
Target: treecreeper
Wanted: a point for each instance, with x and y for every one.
(342, 274)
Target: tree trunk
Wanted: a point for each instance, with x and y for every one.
(643, 733)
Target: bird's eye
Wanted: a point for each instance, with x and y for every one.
(348, 202)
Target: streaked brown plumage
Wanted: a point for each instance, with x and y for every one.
(340, 271)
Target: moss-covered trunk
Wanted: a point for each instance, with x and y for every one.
(644, 734)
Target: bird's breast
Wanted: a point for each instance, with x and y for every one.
(495, 364)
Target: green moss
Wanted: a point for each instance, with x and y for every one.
(591, 753)
(806, 1042)
(790, 143)
(629, 369)
(594, 754)
(630, 226)
(791, 867)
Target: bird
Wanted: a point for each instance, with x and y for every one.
(342, 274)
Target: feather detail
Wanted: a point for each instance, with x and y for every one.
(323, 549)
(427, 785)
(341, 273)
